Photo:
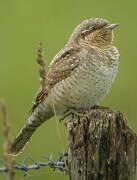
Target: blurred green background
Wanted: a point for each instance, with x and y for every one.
(23, 23)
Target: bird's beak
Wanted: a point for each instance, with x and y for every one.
(111, 26)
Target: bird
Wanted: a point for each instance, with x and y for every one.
(79, 76)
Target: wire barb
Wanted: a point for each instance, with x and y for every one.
(59, 164)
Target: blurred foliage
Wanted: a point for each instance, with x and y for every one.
(23, 23)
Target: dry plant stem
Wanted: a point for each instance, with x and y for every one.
(9, 162)
(43, 82)
(101, 146)
(6, 129)
(41, 62)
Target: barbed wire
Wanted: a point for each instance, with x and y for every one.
(60, 164)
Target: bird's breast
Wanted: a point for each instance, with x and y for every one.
(86, 85)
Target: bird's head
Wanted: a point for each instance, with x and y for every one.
(95, 32)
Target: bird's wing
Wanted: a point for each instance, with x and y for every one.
(61, 67)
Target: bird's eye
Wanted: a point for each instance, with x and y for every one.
(89, 30)
(93, 28)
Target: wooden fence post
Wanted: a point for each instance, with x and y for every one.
(101, 146)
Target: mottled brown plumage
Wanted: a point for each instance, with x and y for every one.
(80, 75)
(60, 70)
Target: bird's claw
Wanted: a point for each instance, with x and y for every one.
(81, 113)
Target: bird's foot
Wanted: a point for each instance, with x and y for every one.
(81, 113)
(66, 114)
(100, 107)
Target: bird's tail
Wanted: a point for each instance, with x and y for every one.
(34, 121)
